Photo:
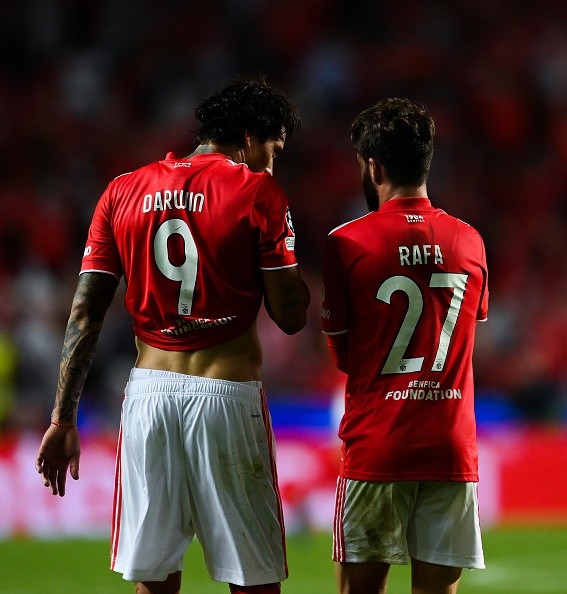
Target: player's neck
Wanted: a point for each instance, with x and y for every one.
(391, 192)
(230, 151)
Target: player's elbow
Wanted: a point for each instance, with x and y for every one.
(292, 324)
(340, 361)
(92, 299)
(287, 305)
(338, 349)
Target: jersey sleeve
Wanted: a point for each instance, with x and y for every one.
(101, 252)
(482, 314)
(334, 311)
(271, 217)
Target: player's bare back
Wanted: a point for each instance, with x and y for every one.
(236, 360)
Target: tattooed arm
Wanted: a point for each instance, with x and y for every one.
(93, 296)
(286, 298)
(60, 448)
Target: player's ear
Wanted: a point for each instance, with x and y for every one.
(375, 171)
(247, 139)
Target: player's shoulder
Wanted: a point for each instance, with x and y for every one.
(256, 177)
(129, 176)
(352, 226)
(239, 174)
(460, 225)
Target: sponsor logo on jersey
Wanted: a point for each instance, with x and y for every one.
(182, 164)
(290, 244)
(425, 390)
(410, 394)
(185, 326)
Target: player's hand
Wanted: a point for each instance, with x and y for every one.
(59, 450)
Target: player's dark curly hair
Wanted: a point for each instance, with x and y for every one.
(398, 134)
(246, 105)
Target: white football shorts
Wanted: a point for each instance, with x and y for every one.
(432, 521)
(196, 457)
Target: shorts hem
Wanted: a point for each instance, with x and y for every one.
(347, 557)
(450, 561)
(239, 579)
(144, 575)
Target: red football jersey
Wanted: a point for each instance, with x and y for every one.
(408, 283)
(190, 237)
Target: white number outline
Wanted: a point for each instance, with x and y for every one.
(396, 362)
(186, 274)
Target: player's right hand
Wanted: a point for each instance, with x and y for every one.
(59, 450)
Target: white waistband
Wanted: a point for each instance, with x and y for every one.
(143, 381)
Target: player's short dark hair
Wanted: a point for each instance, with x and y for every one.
(246, 105)
(398, 134)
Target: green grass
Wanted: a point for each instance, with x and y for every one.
(519, 560)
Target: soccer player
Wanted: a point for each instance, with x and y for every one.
(404, 286)
(200, 241)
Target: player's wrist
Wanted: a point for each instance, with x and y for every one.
(63, 424)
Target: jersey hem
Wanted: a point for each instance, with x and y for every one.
(195, 340)
(278, 267)
(395, 478)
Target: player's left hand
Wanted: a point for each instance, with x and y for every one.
(59, 450)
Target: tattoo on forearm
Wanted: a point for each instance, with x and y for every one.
(289, 298)
(76, 358)
(92, 299)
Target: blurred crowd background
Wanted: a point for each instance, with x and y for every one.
(90, 90)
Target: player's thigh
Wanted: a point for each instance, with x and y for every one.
(428, 578)
(233, 486)
(444, 528)
(371, 520)
(152, 521)
(171, 585)
(362, 578)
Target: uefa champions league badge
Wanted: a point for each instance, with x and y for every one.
(289, 221)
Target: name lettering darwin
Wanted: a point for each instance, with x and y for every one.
(173, 200)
